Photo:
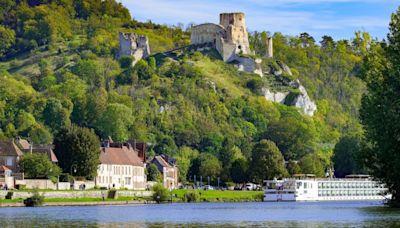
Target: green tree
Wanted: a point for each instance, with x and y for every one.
(55, 115)
(206, 165)
(38, 165)
(345, 156)
(40, 134)
(183, 159)
(380, 110)
(115, 122)
(238, 171)
(7, 37)
(153, 174)
(267, 162)
(293, 168)
(312, 164)
(78, 148)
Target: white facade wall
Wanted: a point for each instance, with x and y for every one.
(121, 176)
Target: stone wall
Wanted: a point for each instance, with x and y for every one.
(48, 184)
(133, 45)
(206, 33)
(76, 194)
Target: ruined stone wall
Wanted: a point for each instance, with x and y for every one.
(126, 44)
(206, 33)
(226, 50)
(133, 45)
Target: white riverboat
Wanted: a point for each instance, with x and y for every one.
(309, 188)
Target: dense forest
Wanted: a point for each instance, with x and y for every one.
(58, 68)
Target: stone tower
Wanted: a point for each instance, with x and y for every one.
(270, 48)
(236, 32)
(133, 45)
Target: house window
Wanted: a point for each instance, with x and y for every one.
(127, 180)
(9, 161)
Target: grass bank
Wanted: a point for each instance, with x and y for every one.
(221, 196)
(178, 196)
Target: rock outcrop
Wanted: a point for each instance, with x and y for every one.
(299, 99)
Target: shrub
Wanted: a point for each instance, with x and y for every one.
(126, 61)
(35, 200)
(160, 193)
(291, 97)
(255, 85)
(192, 196)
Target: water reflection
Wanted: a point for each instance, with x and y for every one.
(322, 214)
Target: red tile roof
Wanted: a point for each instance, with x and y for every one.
(24, 144)
(4, 168)
(120, 156)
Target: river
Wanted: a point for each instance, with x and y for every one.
(282, 214)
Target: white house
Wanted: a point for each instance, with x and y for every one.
(168, 170)
(120, 167)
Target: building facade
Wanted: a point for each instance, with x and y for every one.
(168, 170)
(120, 168)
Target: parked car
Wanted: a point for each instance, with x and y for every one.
(237, 188)
(208, 187)
(250, 187)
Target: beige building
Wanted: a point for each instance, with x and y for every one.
(120, 167)
(169, 171)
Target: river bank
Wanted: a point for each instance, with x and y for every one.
(97, 197)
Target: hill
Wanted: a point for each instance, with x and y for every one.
(59, 68)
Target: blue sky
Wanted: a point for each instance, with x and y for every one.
(337, 18)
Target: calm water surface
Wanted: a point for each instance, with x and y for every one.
(283, 214)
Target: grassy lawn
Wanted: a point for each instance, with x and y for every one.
(64, 200)
(11, 201)
(218, 195)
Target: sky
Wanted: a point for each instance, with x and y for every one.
(337, 18)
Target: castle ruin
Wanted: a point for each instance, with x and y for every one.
(229, 38)
(133, 45)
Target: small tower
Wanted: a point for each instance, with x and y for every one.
(270, 48)
(236, 31)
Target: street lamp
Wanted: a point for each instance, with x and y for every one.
(74, 166)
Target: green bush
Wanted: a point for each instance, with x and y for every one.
(126, 61)
(160, 193)
(35, 200)
(291, 97)
(192, 196)
(255, 85)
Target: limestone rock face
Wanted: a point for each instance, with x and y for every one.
(278, 97)
(249, 65)
(304, 102)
